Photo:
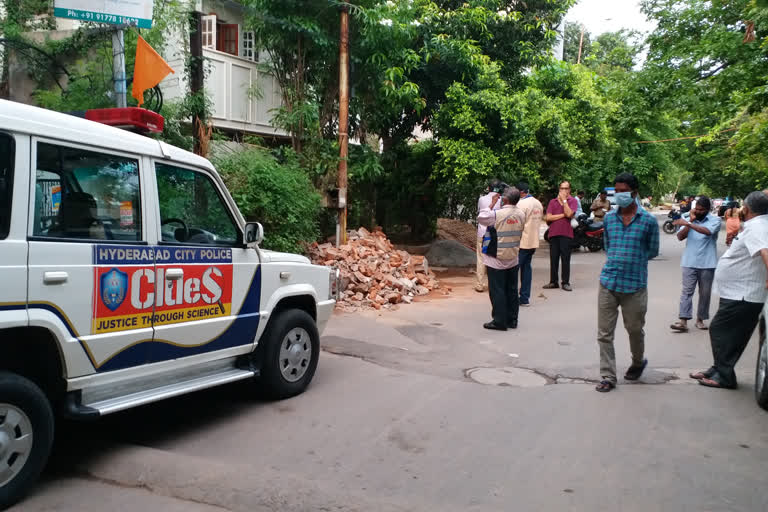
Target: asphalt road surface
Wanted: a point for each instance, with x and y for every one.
(423, 410)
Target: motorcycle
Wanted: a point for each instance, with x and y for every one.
(669, 226)
(588, 233)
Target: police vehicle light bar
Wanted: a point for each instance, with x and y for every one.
(130, 118)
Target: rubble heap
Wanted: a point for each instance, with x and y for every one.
(373, 273)
(458, 230)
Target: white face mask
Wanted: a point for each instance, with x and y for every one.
(623, 199)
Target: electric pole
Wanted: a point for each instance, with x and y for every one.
(118, 66)
(341, 235)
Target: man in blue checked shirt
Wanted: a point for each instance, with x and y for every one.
(631, 239)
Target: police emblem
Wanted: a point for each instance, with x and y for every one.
(114, 285)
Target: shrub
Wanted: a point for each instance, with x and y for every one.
(277, 194)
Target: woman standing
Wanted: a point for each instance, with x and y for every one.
(732, 223)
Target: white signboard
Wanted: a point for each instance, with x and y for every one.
(116, 12)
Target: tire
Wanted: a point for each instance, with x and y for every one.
(668, 227)
(24, 411)
(761, 371)
(595, 245)
(291, 352)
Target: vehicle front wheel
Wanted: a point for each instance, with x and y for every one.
(761, 372)
(26, 436)
(291, 352)
(668, 227)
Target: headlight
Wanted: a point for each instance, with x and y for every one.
(334, 283)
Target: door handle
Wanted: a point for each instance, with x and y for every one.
(55, 277)
(174, 273)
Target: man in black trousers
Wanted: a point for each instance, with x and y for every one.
(500, 248)
(741, 280)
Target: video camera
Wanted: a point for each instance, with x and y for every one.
(500, 188)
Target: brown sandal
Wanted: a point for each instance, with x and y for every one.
(678, 327)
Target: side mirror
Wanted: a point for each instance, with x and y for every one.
(254, 233)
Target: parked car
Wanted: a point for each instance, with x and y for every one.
(129, 276)
(761, 371)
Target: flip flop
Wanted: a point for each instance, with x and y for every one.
(634, 372)
(605, 386)
(704, 374)
(712, 383)
(678, 327)
(701, 326)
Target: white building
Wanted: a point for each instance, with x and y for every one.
(243, 97)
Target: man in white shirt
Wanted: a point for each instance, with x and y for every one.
(534, 212)
(741, 279)
(501, 257)
(495, 187)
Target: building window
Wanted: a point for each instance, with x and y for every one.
(209, 31)
(226, 38)
(248, 51)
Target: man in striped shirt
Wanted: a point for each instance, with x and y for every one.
(631, 239)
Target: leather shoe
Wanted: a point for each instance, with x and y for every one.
(550, 286)
(567, 287)
(494, 326)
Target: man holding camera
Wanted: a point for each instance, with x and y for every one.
(699, 262)
(495, 187)
(501, 245)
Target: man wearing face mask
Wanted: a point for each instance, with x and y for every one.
(741, 280)
(698, 262)
(631, 238)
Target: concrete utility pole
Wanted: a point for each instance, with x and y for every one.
(118, 66)
(581, 41)
(197, 79)
(341, 228)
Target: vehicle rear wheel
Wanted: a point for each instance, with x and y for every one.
(761, 372)
(291, 352)
(26, 436)
(595, 244)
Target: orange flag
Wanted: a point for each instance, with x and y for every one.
(148, 71)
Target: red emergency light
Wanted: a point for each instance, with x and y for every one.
(129, 118)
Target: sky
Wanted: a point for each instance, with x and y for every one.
(600, 16)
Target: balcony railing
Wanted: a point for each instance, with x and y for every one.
(244, 98)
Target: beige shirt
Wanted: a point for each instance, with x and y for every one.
(533, 213)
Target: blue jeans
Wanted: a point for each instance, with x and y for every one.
(526, 274)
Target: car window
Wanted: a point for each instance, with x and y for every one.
(86, 195)
(191, 209)
(6, 182)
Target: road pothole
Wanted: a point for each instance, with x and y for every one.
(507, 376)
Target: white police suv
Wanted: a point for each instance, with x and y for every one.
(127, 276)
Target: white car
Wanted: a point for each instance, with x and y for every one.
(761, 372)
(128, 276)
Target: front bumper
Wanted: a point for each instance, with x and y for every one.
(324, 312)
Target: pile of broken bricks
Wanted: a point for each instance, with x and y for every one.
(375, 275)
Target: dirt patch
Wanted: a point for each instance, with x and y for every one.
(458, 230)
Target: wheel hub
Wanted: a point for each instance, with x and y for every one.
(5, 442)
(295, 354)
(16, 440)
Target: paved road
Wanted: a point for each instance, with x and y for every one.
(392, 422)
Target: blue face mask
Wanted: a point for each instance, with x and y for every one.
(623, 199)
